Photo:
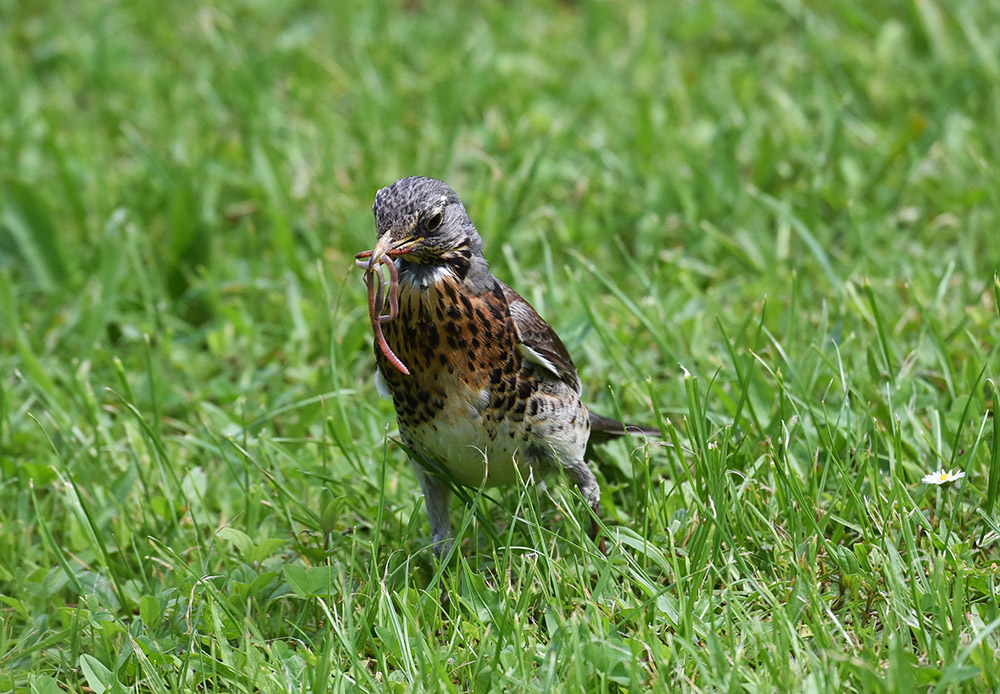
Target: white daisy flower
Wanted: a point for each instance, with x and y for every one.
(943, 477)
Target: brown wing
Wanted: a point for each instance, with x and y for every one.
(539, 343)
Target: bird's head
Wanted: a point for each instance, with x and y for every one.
(422, 221)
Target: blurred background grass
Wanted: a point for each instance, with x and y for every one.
(796, 202)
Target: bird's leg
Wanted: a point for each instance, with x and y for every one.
(585, 481)
(436, 496)
(595, 529)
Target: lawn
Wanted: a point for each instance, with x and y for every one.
(770, 228)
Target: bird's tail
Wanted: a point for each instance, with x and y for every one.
(604, 428)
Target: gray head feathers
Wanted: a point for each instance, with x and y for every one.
(427, 214)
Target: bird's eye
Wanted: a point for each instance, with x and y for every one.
(432, 222)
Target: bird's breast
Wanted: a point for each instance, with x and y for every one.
(460, 404)
(447, 336)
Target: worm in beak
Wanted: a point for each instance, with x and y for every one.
(371, 262)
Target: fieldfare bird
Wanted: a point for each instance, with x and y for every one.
(484, 389)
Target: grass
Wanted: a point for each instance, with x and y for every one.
(769, 228)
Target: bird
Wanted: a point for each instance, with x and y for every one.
(484, 390)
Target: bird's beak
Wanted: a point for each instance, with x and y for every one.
(386, 246)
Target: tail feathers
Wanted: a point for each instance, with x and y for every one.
(604, 428)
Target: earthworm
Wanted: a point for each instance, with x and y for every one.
(376, 301)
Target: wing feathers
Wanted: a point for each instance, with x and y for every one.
(540, 345)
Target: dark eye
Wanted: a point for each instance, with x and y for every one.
(432, 222)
